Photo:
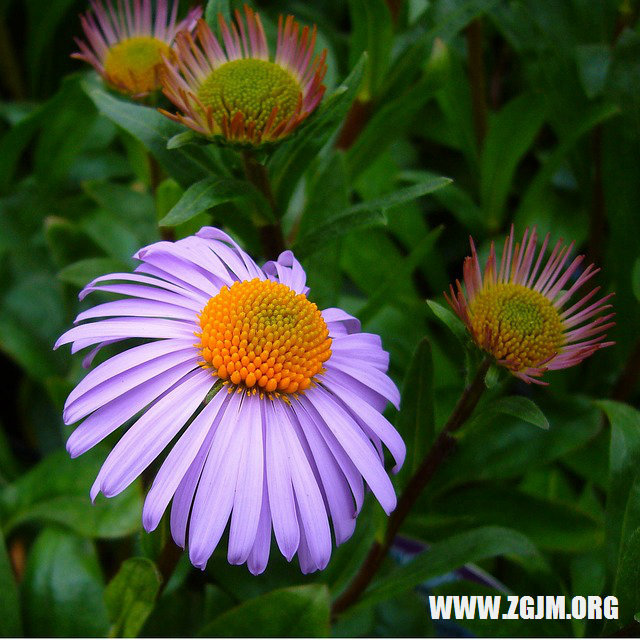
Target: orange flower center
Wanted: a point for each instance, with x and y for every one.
(516, 324)
(133, 64)
(263, 335)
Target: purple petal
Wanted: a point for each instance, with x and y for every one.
(340, 322)
(356, 445)
(179, 460)
(95, 332)
(108, 418)
(259, 556)
(312, 419)
(126, 360)
(336, 489)
(248, 495)
(138, 307)
(313, 515)
(214, 495)
(361, 346)
(146, 439)
(281, 498)
(370, 377)
(103, 393)
(366, 414)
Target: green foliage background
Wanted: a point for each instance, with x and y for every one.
(532, 109)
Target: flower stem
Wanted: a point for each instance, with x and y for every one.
(440, 450)
(271, 236)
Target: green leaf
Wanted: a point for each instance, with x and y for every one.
(208, 193)
(291, 612)
(66, 241)
(627, 582)
(416, 420)
(623, 499)
(62, 591)
(292, 158)
(371, 31)
(84, 271)
(131, 596)
(337, 226)
(529, 203)
(450, 320)
(154, 131)
(384, 293)
(10, 621)
(362, 215)
(593, 62)
(57, 490)
(133, 208)
(505, 447)
(215, 7)
(523, 408)
(551, 525)
(450, 554)
(511, 133)
(387, 124)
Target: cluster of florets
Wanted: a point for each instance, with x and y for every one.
(226, 89)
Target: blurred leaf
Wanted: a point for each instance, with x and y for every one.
(416, 420)
(118, 240)
(292, 158)
(450, 21)
(511, 134)
(10, 621)
(627, 582)
(450, 320)
(522, 408)
(582, 124)
(364, 214)
(384, 293)
(66, 241)
(168, 194)
(549, 524)
(291, 612)
(62, 591)
(623, 499)
(84, 271)
(495, 447)
(445, 556)
(57, 490)
(69, 124)
(133, 208)
(13, 143)
(131, 596)
(371, 31)
(154, 131)
(215, 7)
(42, 29)
(208, 193)
(593, 62)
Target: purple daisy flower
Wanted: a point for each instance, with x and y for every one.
(282, 403)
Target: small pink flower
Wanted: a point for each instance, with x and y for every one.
(126, 45)
(234, 91)
(519, 317)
